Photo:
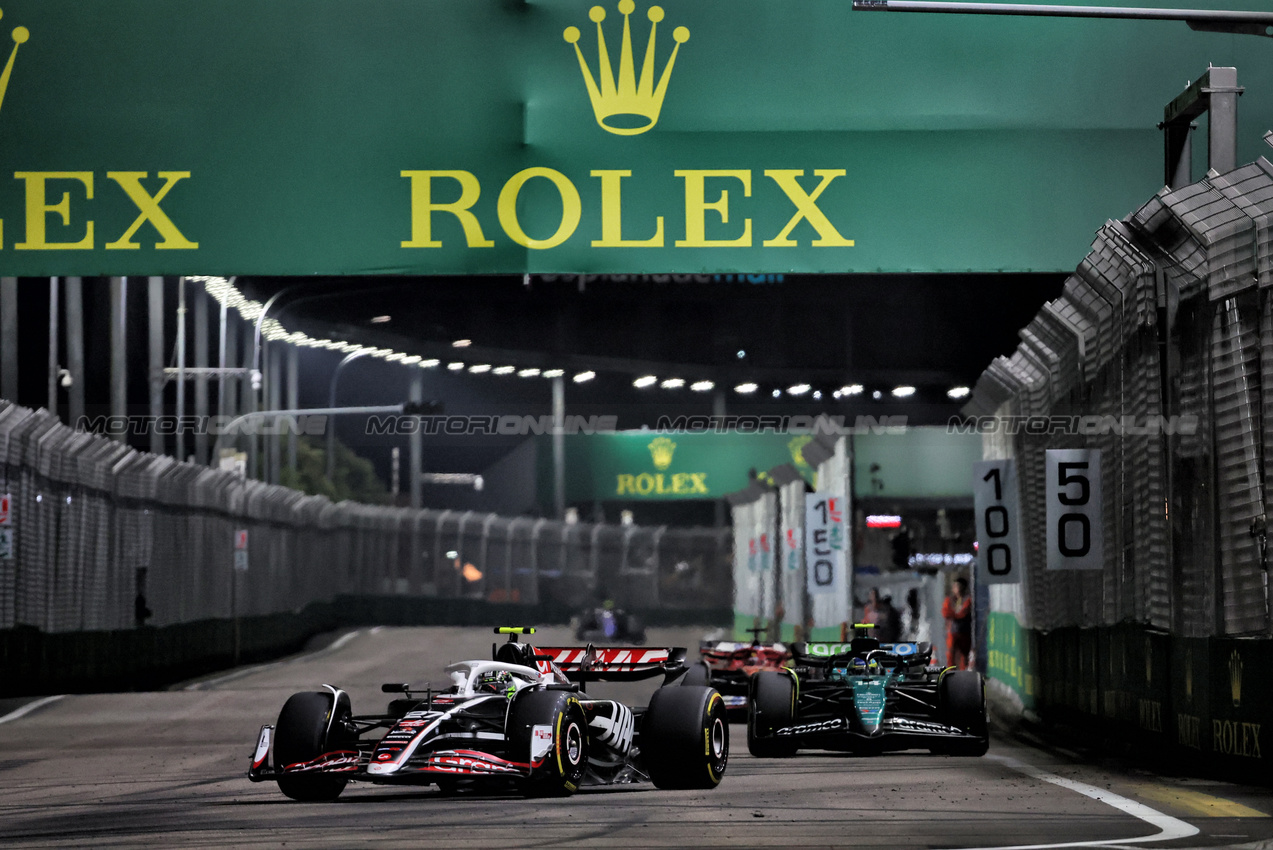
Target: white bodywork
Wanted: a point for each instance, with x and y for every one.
(464, 675)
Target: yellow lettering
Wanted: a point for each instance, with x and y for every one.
(645, 483)
(1255, 740)
(696, 207)
(625, 485)
(828, 236)
(571, 208)
(1188, 731)
(38, 208)
(130, 182)
(699, 482)
(423, 207)
(612, 216)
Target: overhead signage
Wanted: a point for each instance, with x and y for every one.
(645, 465)
(436, 137)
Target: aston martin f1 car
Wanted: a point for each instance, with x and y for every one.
(866, 697)
(728, 666)
(519, 721)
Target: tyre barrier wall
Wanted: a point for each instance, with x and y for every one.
(34, 662)
(1193, 704)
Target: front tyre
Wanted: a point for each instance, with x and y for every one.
(771, 705)
(557, 767)
(301, 735)
(685, 738)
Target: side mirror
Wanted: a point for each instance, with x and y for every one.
(394, 688)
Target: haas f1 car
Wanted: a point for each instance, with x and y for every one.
(728, 667)
(521, 720)
(866, 697)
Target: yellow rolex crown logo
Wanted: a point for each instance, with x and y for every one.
(796, 446)
(20, 35)
(626, 107)
(661, 450)
(1235, 678)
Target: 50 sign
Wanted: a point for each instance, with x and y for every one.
(1073, 493)
(999, 554)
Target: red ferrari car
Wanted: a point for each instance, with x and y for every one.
(728, 665)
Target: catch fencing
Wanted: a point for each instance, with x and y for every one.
(1166, 327)
(100, 532)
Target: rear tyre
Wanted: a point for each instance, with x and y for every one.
(698, 676)
(301, 735)
(562, 766)
(770, 706)
(685, 738)
(962, 698)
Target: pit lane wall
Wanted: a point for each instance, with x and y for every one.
(1159, 354)
(124, 569)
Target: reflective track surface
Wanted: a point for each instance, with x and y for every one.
(167, 769)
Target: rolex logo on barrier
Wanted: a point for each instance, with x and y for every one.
(627, 106)
(20, 35)
(1235, 678)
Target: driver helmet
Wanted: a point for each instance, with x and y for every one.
(874, 667)
(857, 665)
(496, 682)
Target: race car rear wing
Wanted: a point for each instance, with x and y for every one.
(911, 653)
(614, 663)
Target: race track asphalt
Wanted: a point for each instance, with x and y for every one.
(168, 769)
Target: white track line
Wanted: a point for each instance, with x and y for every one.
(247, 671)
(29, 707)
(1169, 828)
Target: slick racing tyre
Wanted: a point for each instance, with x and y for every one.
(565, 759)
(699, 676)
(301, 735)
(770, 705)
(685, 738)
(961, 699)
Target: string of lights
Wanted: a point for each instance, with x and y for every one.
(225, 292)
